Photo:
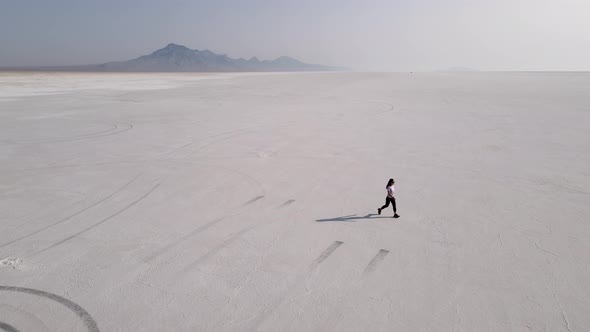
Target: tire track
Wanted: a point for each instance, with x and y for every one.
(389, 109)
(264, 315)
(182, 239)
(182, 147)
(126, 207)
(218, 248)
(253, 180)
(154, 159)
(232, 238)
(375, 261)
(217, 141)
(80, 165)
(289, 202)
(354, 289)
(110, 132)
(75, 308)
(225, 243)
(257, 198)
(325, 255)
(72, 215)
(195, 232)
(363, 103)
(351, 289)
(7, 327)
(260, 318)
(113, 128)
(20, 314)
(235, 237)
(238, 132)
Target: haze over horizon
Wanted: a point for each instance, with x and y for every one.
(364, 35)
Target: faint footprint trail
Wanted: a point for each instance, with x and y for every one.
(376, 260)
(126, 207)
(72, 215)
(257, 198)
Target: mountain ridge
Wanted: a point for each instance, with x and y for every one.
(179, 58)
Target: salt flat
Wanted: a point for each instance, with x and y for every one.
(247, 202)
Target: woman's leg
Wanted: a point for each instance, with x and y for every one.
(386, 203)
(393, 205)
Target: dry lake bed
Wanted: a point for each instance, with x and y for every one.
(248, 202)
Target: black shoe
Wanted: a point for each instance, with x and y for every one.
(396, 215)
(379, 210)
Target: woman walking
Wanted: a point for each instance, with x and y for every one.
(390, 199)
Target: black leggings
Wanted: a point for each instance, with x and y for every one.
(387, 200)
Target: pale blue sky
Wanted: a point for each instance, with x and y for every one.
(365, 35)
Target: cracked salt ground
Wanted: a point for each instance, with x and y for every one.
(205, 205)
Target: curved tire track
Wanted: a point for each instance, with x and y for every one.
(390, 107)
(7, 327)
(113, 131)
(232, 134)
(78, 310)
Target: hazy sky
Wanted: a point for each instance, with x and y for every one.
(362, 34)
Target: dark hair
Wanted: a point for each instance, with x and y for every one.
(389, 183)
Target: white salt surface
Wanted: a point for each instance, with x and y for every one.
(247, 202)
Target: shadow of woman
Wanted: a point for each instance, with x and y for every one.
(353, 218)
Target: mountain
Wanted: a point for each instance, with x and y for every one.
(179, 58)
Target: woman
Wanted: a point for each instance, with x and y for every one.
(390, 190)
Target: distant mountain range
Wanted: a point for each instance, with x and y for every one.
(179, 58)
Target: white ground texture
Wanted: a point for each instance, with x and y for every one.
(248, 202)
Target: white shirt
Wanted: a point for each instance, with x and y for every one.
(390, 191)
